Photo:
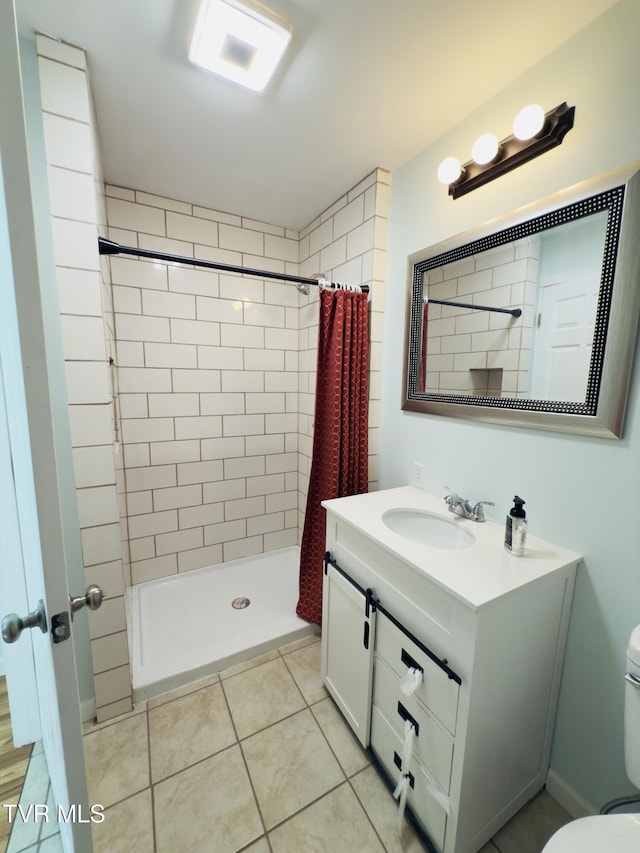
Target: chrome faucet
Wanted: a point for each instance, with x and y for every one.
(461, 506)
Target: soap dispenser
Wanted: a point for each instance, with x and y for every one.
(515, 532)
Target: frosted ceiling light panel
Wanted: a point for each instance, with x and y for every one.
(242, 42)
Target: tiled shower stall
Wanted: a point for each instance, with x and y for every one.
(191, 392)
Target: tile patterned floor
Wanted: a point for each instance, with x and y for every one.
(257, 759)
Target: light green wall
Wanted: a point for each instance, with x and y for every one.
(582, 493)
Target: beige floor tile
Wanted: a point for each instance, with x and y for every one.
(290, 766)
(185, 731)
(127, 827)
(91, 726)
(183, 691)
(249, 664)
(117, 759)
(336, 822)
(261, 846)
(489, 847)
(262, 696)
(530, 829)
(304, 665)
(346, 748)
(208, 807)
(382, 810)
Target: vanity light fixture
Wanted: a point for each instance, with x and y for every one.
(534, 132)
(449, 170)
(485, 149)
(529, 122)
(243, 42)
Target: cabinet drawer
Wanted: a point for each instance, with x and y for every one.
(387, 746)
(432, 746)
(438, 692)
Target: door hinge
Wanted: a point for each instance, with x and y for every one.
(60, 627)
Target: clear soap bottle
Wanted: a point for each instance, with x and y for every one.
(515, 532)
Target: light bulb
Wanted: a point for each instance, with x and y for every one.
(485, 148)
(449, 170)
(528, 122)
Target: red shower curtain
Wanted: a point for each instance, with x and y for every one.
(339, 464)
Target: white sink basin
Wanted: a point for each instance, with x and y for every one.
(428, 528)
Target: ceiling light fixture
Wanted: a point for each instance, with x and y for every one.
(534, 132)
(243, 42)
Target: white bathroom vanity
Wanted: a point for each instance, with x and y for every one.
(486, 632)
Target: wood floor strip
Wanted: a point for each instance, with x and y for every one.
(13, 765)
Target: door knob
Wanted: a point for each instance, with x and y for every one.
(92, 599)
(13, 625)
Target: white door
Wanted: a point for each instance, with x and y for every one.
(348, 640)
(563, 337)
(29, 430)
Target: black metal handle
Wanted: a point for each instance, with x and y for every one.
(407, 716)
(398, 762)
(408, 661)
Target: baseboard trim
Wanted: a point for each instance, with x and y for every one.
(88, 710)
(568, 798)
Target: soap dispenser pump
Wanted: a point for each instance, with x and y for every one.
(515, 533)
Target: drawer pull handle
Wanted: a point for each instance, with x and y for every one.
(398, 762)
(410, 682)
(409, 662)
(407, 716)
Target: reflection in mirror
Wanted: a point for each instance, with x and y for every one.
(544, 351)
(534, 323)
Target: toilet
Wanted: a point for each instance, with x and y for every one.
(613, 833)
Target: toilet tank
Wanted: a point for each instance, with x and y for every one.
(632, 709)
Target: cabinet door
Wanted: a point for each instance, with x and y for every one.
(347, 650)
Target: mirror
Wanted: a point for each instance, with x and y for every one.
(531, 320)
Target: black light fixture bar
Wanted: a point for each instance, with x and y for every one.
(109, 247)
(514, 152)
(515, 312)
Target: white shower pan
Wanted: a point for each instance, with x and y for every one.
(187, 626)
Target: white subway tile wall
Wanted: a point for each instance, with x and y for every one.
(76, 192)
(346, 243)
(209, 400)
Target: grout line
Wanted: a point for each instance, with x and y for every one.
(151, 786)
(244, 761)
(362, 806)
(347, 777)
(307, 806)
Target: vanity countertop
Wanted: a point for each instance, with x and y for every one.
(477, 574)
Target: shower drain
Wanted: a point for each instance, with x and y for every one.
(241, 602)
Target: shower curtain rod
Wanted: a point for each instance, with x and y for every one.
(515, 312)
(109, 247)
